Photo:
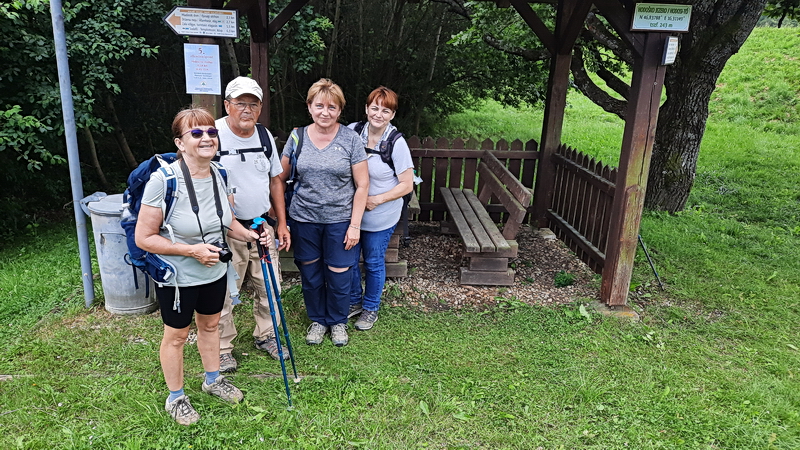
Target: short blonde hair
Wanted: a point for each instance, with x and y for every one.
(191, 116)
(327, 90)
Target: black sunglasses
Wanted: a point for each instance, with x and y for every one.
(198, 133)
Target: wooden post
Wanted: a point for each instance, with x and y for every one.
(211, 102)
(553, 121)
(258, 19)
(631, 183)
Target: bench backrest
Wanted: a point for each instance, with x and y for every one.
(499, 182)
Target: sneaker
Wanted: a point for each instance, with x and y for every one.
(227, 363)
(366, 320)
(355, 309)
(270, 345)
(316, 331)
(339, 334)
(182, 411)
(223, 389)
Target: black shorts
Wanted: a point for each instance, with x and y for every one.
(206, 299)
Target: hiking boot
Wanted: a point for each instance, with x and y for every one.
(223, 389)
(182, 411)
(355, 309)
(339, 334)
(227, 363)
(270, 345)
(366, 320)
(316, 332)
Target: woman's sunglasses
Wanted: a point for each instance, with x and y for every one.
(198, 133)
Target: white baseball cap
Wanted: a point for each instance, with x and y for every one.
(243, 85)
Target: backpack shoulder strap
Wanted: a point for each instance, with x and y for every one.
(263, 135)
(387, 148)
(359, 126)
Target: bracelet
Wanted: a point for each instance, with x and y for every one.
(353, 226)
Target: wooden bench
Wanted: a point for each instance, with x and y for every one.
(486, 247)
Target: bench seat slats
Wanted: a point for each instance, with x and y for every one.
(497, 238)
(470, 243)
(475, 223)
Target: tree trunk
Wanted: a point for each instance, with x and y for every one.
(234, 62)
(95, 161)
(119, 135)
(717, 31)
(334, 37)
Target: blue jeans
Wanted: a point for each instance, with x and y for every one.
(326, 293)
(373, 245)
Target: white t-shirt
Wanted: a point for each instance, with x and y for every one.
(190, 272)
(249, 179)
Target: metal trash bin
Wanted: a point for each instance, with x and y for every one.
(116, 275)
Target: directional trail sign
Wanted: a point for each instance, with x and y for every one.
(203, 22)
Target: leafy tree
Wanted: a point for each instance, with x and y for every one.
(782, 10)
(31, 134)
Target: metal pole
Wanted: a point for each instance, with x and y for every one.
(70, 133)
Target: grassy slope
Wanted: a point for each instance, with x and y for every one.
(713, 364)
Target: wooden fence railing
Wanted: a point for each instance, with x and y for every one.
(582, 195)
(581, 209)
(445, 163)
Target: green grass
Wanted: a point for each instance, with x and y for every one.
(713, 364)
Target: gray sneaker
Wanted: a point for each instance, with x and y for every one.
(227, 363)
(181, 410)
(270, 345)
(366, 320)
(355, 309)
(316, 332)
(223, 389)
(339, 334)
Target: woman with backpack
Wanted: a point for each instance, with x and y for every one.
(391, 175)
(329, 188)
(193, 241)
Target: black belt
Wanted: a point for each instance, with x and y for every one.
(246, 223)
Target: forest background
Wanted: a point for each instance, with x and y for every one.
(127, 71)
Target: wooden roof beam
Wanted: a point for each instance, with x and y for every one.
(568, 36)
(283, 17)
(620, 19)
(539, 28)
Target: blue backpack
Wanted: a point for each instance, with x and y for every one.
(152, 265)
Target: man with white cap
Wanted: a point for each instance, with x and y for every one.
(247, 151)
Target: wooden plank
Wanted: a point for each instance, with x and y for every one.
(475, 224)
(394, 241)
(397, 269)
(535, 23)
(418, 152)
(482, 264)
(476, 278)
(509, 201)
(596, 180)
(392, 255)
(456, 215)
(512, 252)
(280, 20)
(509, 180)
(558, 223)
(497, 238)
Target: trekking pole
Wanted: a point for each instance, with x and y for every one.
(260, 222)
(261, 252)
(652, 266)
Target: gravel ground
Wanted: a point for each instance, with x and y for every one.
(434, 260)
(433, 270)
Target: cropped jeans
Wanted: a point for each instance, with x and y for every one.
(372, 245)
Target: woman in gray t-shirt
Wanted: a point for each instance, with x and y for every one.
(391, 177)
(330, 193)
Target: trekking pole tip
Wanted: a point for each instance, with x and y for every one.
(297, 380)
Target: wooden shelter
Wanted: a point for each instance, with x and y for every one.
(627, 189)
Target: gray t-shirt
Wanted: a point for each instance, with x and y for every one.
(382, 179)
(248, 179)
(184, 223)
(325, 187)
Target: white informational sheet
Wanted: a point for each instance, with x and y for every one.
(202, 69)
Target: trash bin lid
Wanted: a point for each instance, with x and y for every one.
(107, 206)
